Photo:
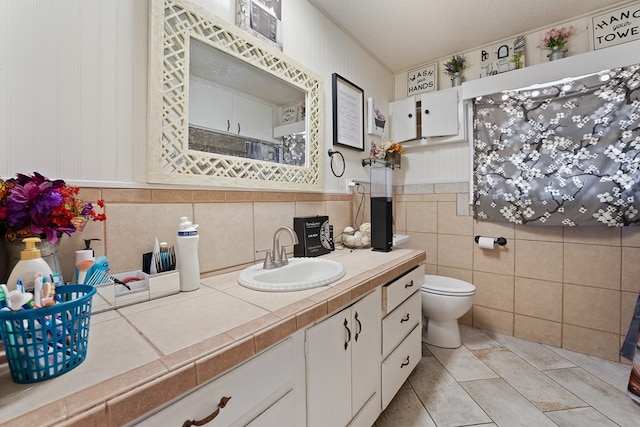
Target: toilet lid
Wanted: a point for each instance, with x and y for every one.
(448, 286)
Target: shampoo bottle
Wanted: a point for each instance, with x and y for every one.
(30, 264)
(188, 264)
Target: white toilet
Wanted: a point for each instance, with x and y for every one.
(444, 301)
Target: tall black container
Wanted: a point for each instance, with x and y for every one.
(381, 208)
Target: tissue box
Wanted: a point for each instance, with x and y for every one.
(163, 284)
(314, 236)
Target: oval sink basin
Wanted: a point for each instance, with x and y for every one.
(299, 274)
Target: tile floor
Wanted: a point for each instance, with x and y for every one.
(498, 380)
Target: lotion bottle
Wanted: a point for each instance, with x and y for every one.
(30, 264)
(188, 264)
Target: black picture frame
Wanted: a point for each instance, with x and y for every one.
(348, 113)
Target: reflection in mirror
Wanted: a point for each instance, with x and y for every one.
(271, 153)
(236, 109)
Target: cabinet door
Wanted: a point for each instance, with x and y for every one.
(252, 118)
(366, 350)
(209, 106)
(328, 353)
(439, 113)
(403, 120)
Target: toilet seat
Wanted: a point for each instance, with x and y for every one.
(451, 287)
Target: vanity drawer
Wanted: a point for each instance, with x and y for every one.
(397, 367)
(397, 325)
(401, 289)
(253, 387)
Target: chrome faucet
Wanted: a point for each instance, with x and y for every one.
(277, 256)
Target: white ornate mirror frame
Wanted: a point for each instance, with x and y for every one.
(169, 159)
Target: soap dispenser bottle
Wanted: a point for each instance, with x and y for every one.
(30, 264)
(188, 264)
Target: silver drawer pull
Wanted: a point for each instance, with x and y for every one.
(405, 363)
(405, 318)
(408, 285)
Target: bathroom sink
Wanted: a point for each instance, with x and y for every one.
(299, 274)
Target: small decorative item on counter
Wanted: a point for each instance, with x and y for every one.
(35, 206)
(555, 40)
(454, 68)
(356, 239)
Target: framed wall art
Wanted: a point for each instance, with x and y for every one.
(378, 117)
(348, 113)
(262, 19)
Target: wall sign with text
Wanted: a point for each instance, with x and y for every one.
(615, 26)
(423, 79)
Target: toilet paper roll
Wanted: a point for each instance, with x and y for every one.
(486, 242)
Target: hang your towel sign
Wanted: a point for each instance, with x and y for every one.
(615, 26)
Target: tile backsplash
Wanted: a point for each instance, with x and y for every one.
(233, 225)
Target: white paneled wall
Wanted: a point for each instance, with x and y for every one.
(73, 85)
(73, 79)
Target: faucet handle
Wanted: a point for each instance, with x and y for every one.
(283, 255)
(268, 262)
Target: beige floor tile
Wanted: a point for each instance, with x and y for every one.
(537, 388)
(462, 364)
(600, 395)
(477, 339)
(442, 396)
(534, 353)
(616, 374)
(405, 410)
(491, 395)
(580, 417)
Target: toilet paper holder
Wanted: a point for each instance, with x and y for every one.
(501, 241)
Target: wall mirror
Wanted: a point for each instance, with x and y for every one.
(226, 109)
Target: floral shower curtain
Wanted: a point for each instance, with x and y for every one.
(565, 153)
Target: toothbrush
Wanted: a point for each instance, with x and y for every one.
(83, 267)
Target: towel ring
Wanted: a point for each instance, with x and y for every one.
(331, 153)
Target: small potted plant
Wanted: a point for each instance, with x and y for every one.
(454, 68)
(555, 40)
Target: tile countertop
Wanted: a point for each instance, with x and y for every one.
(142, 356)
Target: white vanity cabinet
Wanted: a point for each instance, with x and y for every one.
(214, 107)
(343, 366)
(401, 331)
(439, 114)
(267, 390)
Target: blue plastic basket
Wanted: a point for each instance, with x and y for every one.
(44, 343)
